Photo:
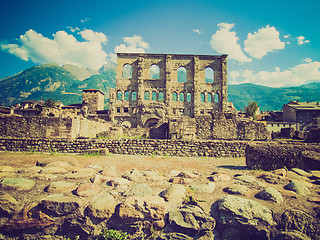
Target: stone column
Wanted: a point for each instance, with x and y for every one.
(224, 89)
(196, 84)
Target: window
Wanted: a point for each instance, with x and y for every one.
(133, 96)
(126, 110)
(181, 97)
(209, 75)
(209, 97)
(201, 111)
(174, 97)
(202, 98)
(118, 110)
(161, 96)
(146, 95)
(126, 96)
(154, 96)
(127, 71)
(216, 98)
(188, 97)
(154, 72)
(182, 74)
(119, 95)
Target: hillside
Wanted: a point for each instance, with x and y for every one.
(66, 84)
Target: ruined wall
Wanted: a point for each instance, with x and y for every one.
(139, 96)
(43, 127)
(93, 99)
(129, 146)
(230, 129)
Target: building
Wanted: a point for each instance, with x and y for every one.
(166, 87)
(305, 114)
(93, 100)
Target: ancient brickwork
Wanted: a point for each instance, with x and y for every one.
(93, 100)
(153, 87)
(129, 146)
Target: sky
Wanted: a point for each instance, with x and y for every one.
(270, 43)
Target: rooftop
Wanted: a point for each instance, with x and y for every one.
(304, 105)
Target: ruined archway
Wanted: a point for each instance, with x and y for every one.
(151, 122)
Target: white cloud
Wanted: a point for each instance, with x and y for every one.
(295, 76)
(85, 20)
(308, 60)
(301, 40)
(262, 42)
(226, 41)
(74, 29)
(62, 49)
(196, 31)
(286, 36)
(133, 44)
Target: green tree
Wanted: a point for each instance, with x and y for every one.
(51, 103)
(251, 109)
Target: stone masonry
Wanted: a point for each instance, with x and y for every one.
(149, 91)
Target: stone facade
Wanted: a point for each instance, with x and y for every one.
(164, 87)
(129, 146)
(93, 100)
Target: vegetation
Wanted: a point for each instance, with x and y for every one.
(111, 234)
(51, 103)
(251, 109)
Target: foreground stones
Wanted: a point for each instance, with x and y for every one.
(59, 199)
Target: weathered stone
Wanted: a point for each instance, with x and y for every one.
(281, 172)
(220, 177)
(6, 169)
(61, 187)
(273, 178)
(292, 235)
(88, 189)
(139, 189)
(54, 170)
(174, 193)
(300, 172)
(187, 174)
(61, 205)
(236, 189)
(204, 187)
(19, 184)
(117, 182)
(271, 194)
(102, 206)
(246, 218)
(135, 175)
(81, 173)
(190, 220)
(173, 236)
(298, 188)
(8, 204)
(180, 180)
(109, 171)
(249, 181)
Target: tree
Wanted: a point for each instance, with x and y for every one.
(251, 109)
(51, 103)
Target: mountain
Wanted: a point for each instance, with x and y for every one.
(66, 84)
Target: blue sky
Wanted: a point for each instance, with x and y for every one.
(274, 43)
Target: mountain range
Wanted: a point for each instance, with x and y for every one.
(67, 82)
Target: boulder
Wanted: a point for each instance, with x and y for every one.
(18, 184)
(240, 218)
(61, 187)
(81, 173)
(204, 187)
(102, 206)
(292, 235)
(174, 193)
(135, 175)
(249, 181)
(60, 204)
(173, 236)
(300, 172)
(298, 188)
(270, 194)
(110, 171)
(220, 177)
(311, 160)
(236, 189)
(8, 204)
(138, 189)
(88, 189)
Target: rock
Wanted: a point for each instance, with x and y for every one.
(315, 174)
(141, 208)
(117, 182)
(204, 187)
(96, 167)
(281, 172)
(8, 204)
(6, 169)
(298, 188)
(187, 174)
(174, 193)
(300, 172)
(273, 178)
(151, 174)
(292, 235)
(173, 173)
(180, 180)
(249, 181)
(139, 189)
(54, 170)
(220, 177)
(88, 189)
(18, 184)
(270, 194)
(236, 189)
(135, 175)
(61, 205)
(60, 164)
(102, 206)
(61, 187)
(109, 171)
(72, 161)
(82, 173)
(298, 220)
(190, 220)
(238, 216)
(173, 236)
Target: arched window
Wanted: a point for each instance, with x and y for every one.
(154, 72)
(154, 96)
(133, 96)
(216, 98)
(189, 97)
(127, 71)
(202, 98)
(182, 74)
(174, 96)
(209, 75)
(209, 97)
(161, 96)
(181, 97)
(119, 95)
(146, 95)
(126, 96)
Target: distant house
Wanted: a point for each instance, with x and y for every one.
(305, 114)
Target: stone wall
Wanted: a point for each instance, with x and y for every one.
(128, 146)
(44, 127)
(231, 129)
